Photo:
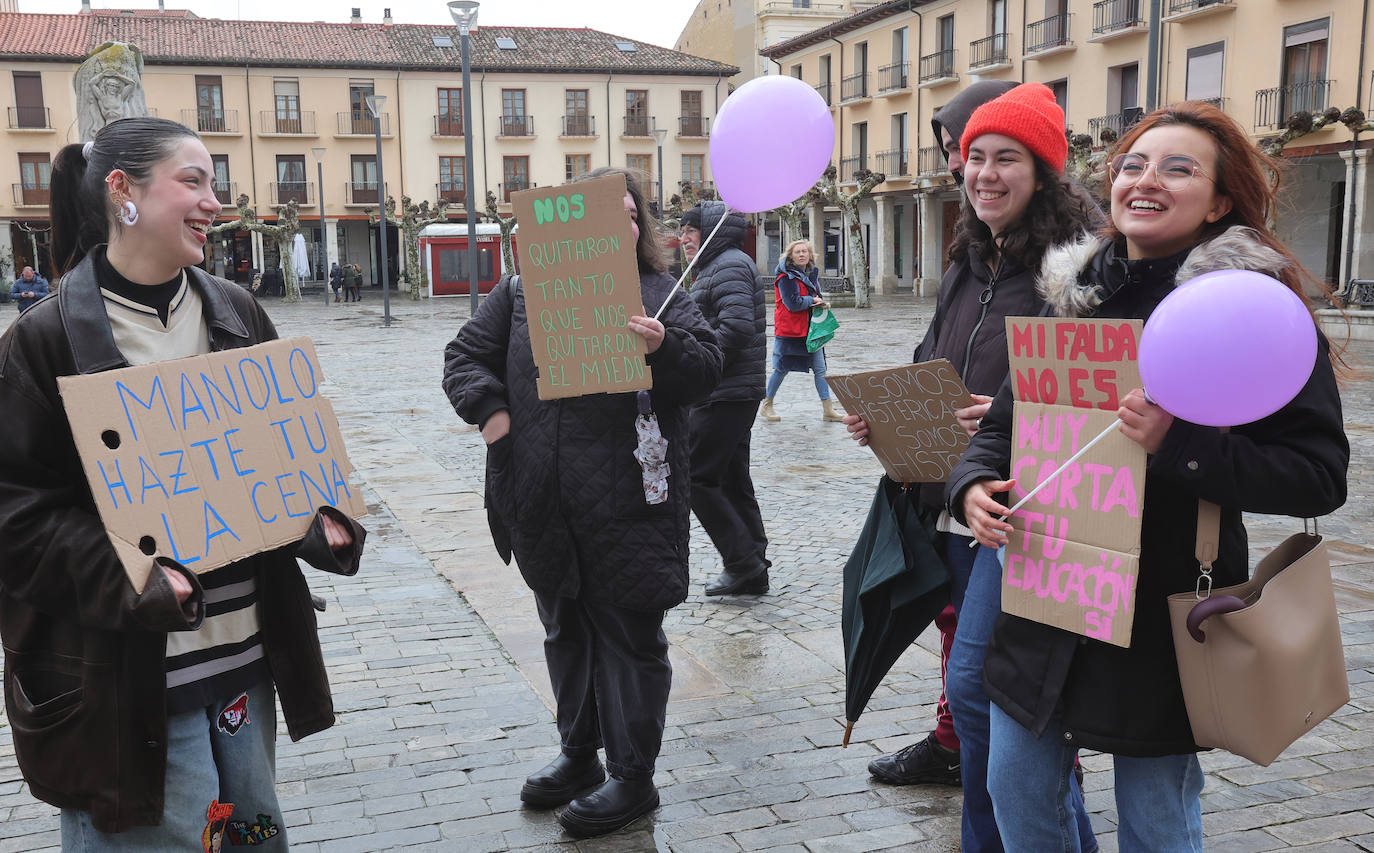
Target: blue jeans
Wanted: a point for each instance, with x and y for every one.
(219, 757)
(1158, 800)
(817, 373)
(979, 605)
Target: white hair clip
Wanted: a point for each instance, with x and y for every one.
(86, 149)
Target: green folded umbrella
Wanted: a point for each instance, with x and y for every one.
(895, 584)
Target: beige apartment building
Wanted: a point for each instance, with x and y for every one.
(282, 108)
(734, 31)
(884, 70)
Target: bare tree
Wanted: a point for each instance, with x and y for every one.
(828, 190)
(283, 234)
(507, 224)
(412, 221)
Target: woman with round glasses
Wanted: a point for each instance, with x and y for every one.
(1189, 194)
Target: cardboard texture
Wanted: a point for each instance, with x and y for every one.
(1073, 560)
(210, 459)
(1075, 362)
(910, 415)
(580, 275)
(1082, 531)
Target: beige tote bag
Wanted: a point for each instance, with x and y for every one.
(1261, 662)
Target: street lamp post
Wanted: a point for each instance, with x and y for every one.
(375, 104)
(464, 14)
(660, 134)
(324, 251)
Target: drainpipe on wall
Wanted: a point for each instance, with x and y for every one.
(400, 141)
(1152, 75)
(1354, 160)
(482, 92)
(609, 118)
(252, 155)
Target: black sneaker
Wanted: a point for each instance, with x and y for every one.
(924, 762)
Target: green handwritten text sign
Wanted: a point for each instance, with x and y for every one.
(580, 276)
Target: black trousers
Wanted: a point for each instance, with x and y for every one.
(611, 676)
(722, 489)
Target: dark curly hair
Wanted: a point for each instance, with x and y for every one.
(1059, 211)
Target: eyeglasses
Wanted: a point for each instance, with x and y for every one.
(1172, 173)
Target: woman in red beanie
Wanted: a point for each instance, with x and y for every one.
(1017, 206)
(1190, 194)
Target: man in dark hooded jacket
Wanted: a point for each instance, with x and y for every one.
(727, 292)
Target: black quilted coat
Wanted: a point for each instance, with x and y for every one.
(564, 491)
(727, 291)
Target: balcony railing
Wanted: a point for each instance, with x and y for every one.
(288, 122)
(227, 193)
(1219, 103)
(283, 192)
(30, 118)
(1112, 15)
(452, 192)
(930, 161)
(1108, 129)
(988, 51)
(639, 125)
(448, 125)
(698, 126)
(852, 166)
(823, 89)
(701, 187)
(895, 162)
(893, 77)
(512, 187)
(28, 196)
(854, 87)
(360, 193)
(579, 125)
(1179, 7)
(1274, 106)
(361, 124)
(937, 66)
(1050, 33)
(521, 125)
(211, 121)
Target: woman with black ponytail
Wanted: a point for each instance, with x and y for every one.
(146, 714)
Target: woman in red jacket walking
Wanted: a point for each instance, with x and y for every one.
(796, 291)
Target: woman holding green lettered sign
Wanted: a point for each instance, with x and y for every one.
(589, 494)
(1190, 194)
(143, 708)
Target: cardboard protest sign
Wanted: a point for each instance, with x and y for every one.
(1073, 559)
(910, 415)
(1075, 362)
(580, 276)
(210, 459)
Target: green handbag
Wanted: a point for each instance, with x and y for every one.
(823, 326)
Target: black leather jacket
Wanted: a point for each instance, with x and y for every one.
(84, 653)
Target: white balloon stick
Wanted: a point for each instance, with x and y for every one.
(1067, 462)
(691, 263)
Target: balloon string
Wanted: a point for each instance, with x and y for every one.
(1045, 482)
(690, 264)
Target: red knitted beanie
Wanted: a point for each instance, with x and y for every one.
(1028, 114)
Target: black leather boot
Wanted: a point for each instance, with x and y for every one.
(562, 780)
(615, 805)
(740, 583)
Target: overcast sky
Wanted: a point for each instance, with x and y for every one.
(653, 21)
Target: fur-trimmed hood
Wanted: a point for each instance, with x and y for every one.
(1063, 285)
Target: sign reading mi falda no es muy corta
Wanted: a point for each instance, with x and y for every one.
(1074, 556)
(210, 459)
(580, 275)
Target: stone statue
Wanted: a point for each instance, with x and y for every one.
(109, 86)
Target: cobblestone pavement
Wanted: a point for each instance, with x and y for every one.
(435, 656)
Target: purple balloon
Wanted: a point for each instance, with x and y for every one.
(1227, 348)
(771, 143)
